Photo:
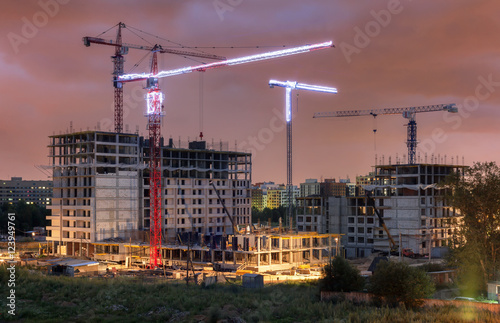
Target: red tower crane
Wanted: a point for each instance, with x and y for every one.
(154, 113)
(154, 104)
(118, 59)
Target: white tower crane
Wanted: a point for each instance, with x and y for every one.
(289, 86)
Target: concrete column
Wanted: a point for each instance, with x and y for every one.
(311, 257)
(258, 243)
(223, 256)
(212, 255)
(329, 248)
(281, 250)
(270, 258)
(258, 259)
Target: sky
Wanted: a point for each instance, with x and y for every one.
(387, 54)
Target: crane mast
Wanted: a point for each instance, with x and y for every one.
(155, 113)
(407, 113)
(289, 86)
(118, 63)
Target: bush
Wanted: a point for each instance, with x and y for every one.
(397, 282)
(340, 276)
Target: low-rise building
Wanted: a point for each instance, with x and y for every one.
(31, 191)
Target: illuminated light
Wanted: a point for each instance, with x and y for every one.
(303, 86)
(233, 61)
(154, 101)
(290, 85)
(288, 104)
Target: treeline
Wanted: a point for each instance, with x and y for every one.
(267, 213)
(27, 216)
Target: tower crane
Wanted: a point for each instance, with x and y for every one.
(407, 113)
(289, 86)
(118, 59)
(154, 100)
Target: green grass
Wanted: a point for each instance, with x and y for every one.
(63, 299)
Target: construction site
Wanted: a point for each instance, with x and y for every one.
(141, 202)
(147, 202)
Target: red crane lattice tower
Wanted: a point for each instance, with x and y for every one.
(154, 113)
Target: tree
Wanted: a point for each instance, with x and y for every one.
(476, 244)
(396, 282)
(267, 213)
(340, 276)
(27, 215)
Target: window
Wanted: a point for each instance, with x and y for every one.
(361, 230)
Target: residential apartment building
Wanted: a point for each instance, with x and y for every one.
(284, 195)
(101, 189)
(412, 205)
(274, 198)
(257, 199)
(310, 187)
(31, 191)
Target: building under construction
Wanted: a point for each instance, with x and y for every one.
(257, 251)
(410, 201)
(101, 189)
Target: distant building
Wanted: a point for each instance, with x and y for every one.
(271, 195)
(331, 188)
(32, 192)
(310, 187)
(284, 195)
(274, 198)
(257, 199)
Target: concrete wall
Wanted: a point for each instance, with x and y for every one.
(116, 204)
